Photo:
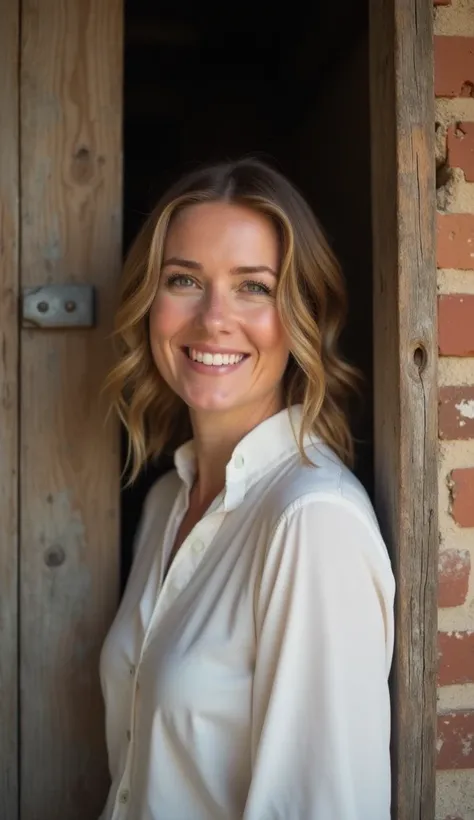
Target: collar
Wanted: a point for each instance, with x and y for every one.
(266, 446)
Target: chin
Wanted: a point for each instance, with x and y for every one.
(211, 404)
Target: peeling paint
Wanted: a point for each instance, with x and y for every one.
(466, 408)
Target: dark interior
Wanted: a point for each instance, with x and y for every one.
(288, 84)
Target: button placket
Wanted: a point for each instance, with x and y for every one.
(193, 544)
(124, 795)
(124, 792)
(183, 567)
(180, 573)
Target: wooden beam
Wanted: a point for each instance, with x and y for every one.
(9, 353)
(71, 192)
(405, 380)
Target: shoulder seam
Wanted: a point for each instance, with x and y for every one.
(331, 498)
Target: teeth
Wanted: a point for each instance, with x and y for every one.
(216, 359)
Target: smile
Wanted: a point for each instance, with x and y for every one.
(214, 359)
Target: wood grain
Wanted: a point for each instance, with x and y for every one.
(403, 202)
(71, 157)
(9, 352)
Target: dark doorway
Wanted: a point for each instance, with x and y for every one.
(291, 87)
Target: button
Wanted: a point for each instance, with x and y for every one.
(132, 670)
(129, 735)
(239, 461)
(124, 795)
(198, 546)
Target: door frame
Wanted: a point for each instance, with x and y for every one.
(405, 382)
(9, 403)
(405, 375)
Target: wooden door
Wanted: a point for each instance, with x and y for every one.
(9, 406)
(60, 164)
(405, 387)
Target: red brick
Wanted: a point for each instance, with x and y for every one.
(455, 658)
(455, 241)
(454, 66)
(462, 494)
(460, 144)
(456, 324)
(456, 412)
(454, 568)
(456, 740)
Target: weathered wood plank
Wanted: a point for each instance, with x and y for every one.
(71, 109)
(9, 249)
(403, 202)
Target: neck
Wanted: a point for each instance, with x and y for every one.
(216, 435)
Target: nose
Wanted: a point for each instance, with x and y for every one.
(215, 314)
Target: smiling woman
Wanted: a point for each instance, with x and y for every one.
(269, 218)
(233, 676)
(219, 311)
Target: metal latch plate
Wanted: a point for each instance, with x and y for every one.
(56, 306)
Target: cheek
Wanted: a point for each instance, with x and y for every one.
(167, 316)
(265, 329)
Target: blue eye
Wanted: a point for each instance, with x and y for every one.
(256, 287)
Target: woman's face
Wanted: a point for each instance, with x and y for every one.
(215, 333)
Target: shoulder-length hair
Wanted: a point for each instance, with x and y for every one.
(310, 298)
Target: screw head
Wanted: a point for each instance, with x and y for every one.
(43, 307)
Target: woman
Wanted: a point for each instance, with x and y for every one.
(245, 675)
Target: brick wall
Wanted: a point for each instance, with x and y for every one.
(454, 89)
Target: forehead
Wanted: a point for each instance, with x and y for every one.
(222, 229)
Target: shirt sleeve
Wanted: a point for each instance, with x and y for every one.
(321, 710)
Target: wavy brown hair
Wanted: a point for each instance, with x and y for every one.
(311, 301)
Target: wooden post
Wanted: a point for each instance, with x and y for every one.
(71, 202)
(405, 383)
(9, 249)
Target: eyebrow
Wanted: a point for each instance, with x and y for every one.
(189, 264)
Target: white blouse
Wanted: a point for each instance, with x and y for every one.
(251, 684)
